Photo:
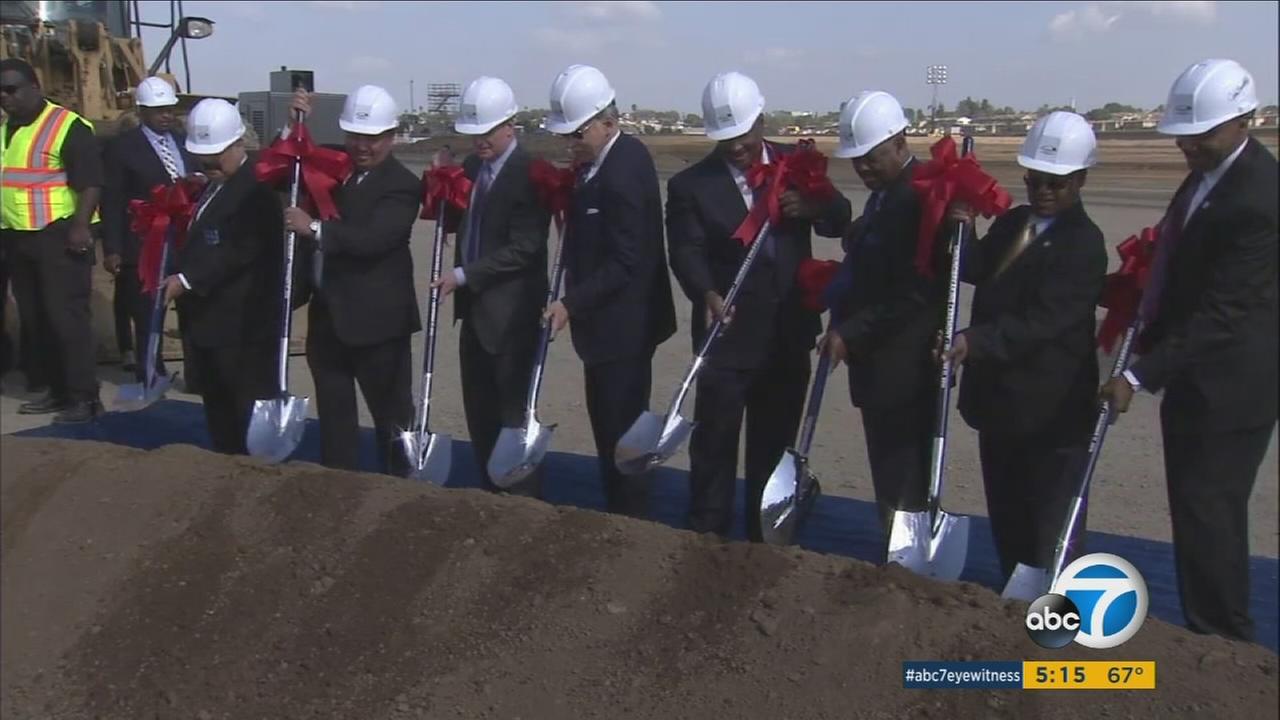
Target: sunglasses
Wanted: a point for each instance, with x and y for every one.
(1056, 184)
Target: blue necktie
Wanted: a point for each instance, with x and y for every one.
(477, 211)
(842, 283)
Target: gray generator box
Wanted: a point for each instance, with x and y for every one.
(268, 113)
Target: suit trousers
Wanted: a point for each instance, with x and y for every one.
(133, 319)
(772, 397)
(899, 444)
(234, 378)
(617, 393)
(52, 287)
(386, 381)
(495, 388)
(1210, 477)
(1030, 481)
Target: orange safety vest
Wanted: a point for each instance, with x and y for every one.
(33, 179)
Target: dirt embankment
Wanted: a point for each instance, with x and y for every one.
(180, 584)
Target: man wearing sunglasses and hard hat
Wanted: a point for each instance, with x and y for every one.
(760, 365)
(1030, 367)
(358, 269)
(617, 296)
(1210, 339)
(227, 284)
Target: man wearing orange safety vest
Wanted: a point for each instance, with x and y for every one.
(49, 189)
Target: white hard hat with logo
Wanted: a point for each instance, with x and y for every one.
(369, 111)
(731, 103)
(1059, 143)
(1206, 95)
(486, 103)
(867, 120)
(155, 92)
(577, 95)
(212, 126)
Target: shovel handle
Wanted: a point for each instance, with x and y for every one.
(286, 317)
(157, 312)
(544, 338)
(814, 404)
(433, 316)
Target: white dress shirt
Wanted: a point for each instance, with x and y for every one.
(595, 164)
(493, 167)
(1209, 180)
(168, 143)
(739, 177)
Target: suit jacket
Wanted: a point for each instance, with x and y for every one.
(890, 315)
(704, 208)
(506, 286)
(1213, 341)
(616, 289)
(234, 259)
(367, 281)
(1032, 364)
(132, 169)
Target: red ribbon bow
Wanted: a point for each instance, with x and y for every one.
(169, 206)
(813, 277)
(1122, 293)
(445, 188)
(554, 187)
(805, 169)
(323, 169)
(943, 180)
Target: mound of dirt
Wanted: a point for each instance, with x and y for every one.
(181, 584)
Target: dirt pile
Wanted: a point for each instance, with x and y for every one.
(180, 584)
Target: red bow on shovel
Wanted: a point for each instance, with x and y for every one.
(554, 187)
(445, 188)
(813, 277)
(1122, 293)
(168, 206)
(805, 169)
(322, 169)
(947, 178)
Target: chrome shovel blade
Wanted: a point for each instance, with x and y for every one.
(136, 396)
(915, 545)
(518, 452)
(649, 443)
(1026, 583)
(778, 502)
(276, 427)
(429, 455)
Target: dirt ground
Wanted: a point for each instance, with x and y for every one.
(180, 584)
(1126, 191)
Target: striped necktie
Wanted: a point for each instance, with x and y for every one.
(166, 155)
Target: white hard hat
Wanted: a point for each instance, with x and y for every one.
(577, 95)
(867, 120)
(212, 127)
(1060, 143)
(486, 103)
(731, 103)
(1206, 95)
(369, 111)
(155, 92)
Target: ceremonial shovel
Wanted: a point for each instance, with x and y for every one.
(276, 425)
(1028, 583)
(518, 451)
(136, 396)
(429, 454)
(792, 488)
(933, 542)
(653, 439)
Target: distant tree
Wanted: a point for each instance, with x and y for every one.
(1268, 110)
(693, 120)
(633, 107)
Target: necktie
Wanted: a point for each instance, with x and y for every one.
(769, 249)
(842, 283)
(476, 213)
(1170, 233)
(317, 259)
(166, 157)
(1025, 238)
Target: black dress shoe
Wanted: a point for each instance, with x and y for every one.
(43, 406)
(78, 412)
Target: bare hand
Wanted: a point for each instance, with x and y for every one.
(961, 212)
(959, 350)
(447, 283)
(1119, 392)
(297, 220)
(301, 103)
(833, 345)
(558, 316)
(79, 241)
(111, 263)
(172, 288)
(794, 205)
(716, 309)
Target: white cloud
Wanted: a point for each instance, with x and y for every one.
(613, 24)
(1089, 19)
(1097, 18)
(1203, 13)
(616, 12)
(368, 64)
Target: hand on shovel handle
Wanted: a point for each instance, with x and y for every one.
(833, 345)
(959, 350)
(558, 316)
(716, 309)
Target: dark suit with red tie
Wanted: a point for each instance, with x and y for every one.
(1211, 346)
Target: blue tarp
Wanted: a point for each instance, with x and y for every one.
(840, 526)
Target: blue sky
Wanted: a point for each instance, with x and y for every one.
(804, 55)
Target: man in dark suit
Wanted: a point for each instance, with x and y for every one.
(617, 295)
(228, 279)
(1210, 342)
(760, 364)
(885, 312)
(1030, 366)
(136, 161)
(363, 309)
(499, 273)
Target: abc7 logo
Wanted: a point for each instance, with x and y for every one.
(1100, 601)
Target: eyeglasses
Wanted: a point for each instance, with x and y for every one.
(577, 134)
(1054, 183)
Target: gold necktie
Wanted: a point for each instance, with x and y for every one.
(1025, 238)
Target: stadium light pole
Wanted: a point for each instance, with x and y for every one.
(934, 76)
